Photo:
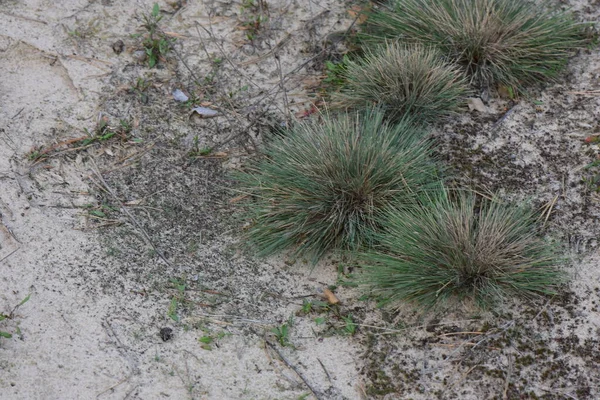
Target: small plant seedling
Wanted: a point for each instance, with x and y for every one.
(177, 299)
(37, 153)
(254, 17)
(349, 325)
(209, 340)
(156, 43)
(592, 182)
(282, 334)
(307, 306)
(140, 88)
(335, 72)
(172, 312)
(11, 315)
(317, 306)
(205, 342)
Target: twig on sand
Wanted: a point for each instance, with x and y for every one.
(114, 386)
(126, 211)
(325, 369)
(39, 21)
(507, 381)
(587, 92)
(286, 102)
(130, 392)
(499, 122)
(10, 254)
(464, 376)
(544, 309)
(293, 368)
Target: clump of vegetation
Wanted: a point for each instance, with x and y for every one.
(404, 80)
(156, 44)
(461, 249)
(103, 132)
(323, 185)
(254, 15)
(508, 42)
(335, 73)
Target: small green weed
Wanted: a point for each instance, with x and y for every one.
(208, 341)
(104, 132)
(156, 44)
(309, 306)
(282, 334)
(349, 325)
(254, 15)
(10, 316)
(198, 151)
(177, 299)
(330, 315)
(101, 133)
(101, 211)
(592, 180)
(335, 73)
(141, 88)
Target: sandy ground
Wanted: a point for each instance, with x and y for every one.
(120, 240)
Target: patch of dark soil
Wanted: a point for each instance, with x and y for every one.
(536, 156)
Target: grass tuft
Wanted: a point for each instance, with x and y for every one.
(404, 80)
(461, 249)
(323, 185)
(507, 42)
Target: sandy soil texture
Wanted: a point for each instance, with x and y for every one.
(127, 247)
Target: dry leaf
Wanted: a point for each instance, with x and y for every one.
(361, 12)
(331, 298)
(134, 202)
(175, 35)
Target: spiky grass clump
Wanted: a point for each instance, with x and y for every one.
(508, 42)
(404, 80)
(461, 249)
(322, 187)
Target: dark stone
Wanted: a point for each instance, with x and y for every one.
(118, 46)
(166, 334)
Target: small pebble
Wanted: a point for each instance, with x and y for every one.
(139, 55)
